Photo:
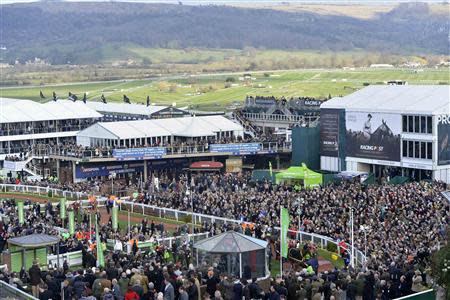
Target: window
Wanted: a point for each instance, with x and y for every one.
(429, 150)
(416, 149)
(405, 149)
(410, 149)
(416, 124)
(423, 150)
(410, 124)
(423, 124)
(405, 123)
(429, 125)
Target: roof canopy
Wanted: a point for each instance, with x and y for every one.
(34, 240)
(407, 99)
(309, 177)
(185, 127)
(125, 108)
(19, 110)
(230, 242)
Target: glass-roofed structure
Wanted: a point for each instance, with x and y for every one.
(234, 254)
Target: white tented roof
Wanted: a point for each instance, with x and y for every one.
(125, 108)
(402, 99)
(186, 127)
(20, 110)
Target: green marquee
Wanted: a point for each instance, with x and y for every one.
(293, 175)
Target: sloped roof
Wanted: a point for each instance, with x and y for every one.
(230, 242)
(34, 240)
(20, 110)
(403, 99)
(125, 108)
(186, 127)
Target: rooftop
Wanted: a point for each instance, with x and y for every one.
(21, 110)
(404, 99)
(187, 127)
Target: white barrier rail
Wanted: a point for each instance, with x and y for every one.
(47, 191)
(8, 291)
(183, 216)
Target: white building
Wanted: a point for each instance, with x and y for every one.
(25, 122)
(159, 131)
(389, 131)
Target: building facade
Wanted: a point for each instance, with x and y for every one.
(389, 131)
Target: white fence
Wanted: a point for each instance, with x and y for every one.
(46, 191)
(8, 291)
(182, 216)
(74, 258)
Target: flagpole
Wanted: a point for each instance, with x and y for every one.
(353, 241)
(281, 242)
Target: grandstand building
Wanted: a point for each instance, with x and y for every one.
(272, 114)
(134, 149)
(390, 131)
(25, 123)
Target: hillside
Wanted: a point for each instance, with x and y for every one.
(76, 32)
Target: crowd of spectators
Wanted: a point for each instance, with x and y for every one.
(414, 218)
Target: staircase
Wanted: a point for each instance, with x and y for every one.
(248, 128)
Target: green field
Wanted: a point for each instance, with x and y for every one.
(210, 92)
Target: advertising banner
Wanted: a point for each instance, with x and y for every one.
(311, 102)
(234, 165)
(329, 132)
(373, 135)
(15, 166)
(443, 129)
(139, 153)
(236, 149)
(168, 164)
(94, 170)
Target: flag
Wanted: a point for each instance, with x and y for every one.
(270, 168)
(284, 225)
(100, 257)
(62, 208)
(42, 95)
(114, 218)
(71, 214)
(20, 211)
(72, 97)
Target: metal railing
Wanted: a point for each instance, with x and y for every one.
(195, 218)
(44, 129)
(170, 150)
(294, 119)
(74, 258)
(8, 291)
(40, 190)
(181, 216)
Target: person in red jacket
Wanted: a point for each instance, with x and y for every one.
(130, 294)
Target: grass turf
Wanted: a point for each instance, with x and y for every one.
(209, 92)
